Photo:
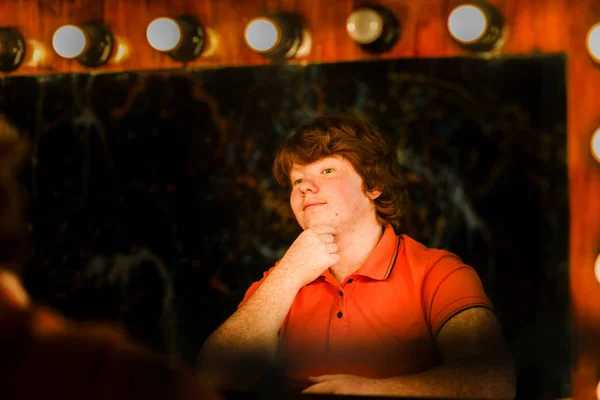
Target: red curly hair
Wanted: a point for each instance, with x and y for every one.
(359, 143)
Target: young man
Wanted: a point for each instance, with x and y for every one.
(353, 308)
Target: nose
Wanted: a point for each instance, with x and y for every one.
(308, 185)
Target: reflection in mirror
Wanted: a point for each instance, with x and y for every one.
(152, 201)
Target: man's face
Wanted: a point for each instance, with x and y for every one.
(329, 191)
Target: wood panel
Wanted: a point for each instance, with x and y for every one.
(584, 178)
(533, 27)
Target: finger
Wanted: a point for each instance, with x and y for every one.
(323, 229)
(331, 248)
(326, 237)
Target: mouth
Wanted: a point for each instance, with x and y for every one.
(312, 205)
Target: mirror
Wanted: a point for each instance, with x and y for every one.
(151, 198)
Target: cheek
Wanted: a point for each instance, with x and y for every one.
(348, 194)
(355, 200)
(295, 202)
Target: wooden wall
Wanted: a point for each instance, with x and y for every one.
(533, 27)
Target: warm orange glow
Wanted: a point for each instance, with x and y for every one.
(12, 291)
(305, 45)
(122, 50)
(597, 268)
(211, 43)
(36, 55)
(595, 144)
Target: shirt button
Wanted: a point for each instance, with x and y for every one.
(339, 314)
(341, 293)
(350, 280)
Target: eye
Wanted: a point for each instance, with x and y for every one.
(328, 170)
(297, 181)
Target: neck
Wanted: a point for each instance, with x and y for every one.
(354, 247)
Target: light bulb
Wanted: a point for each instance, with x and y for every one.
(164, 34)
(597, 268)
(12, 49)
(262, 34)
(595, 144)
(69, 41)
(364, 25)
(467, 23)
(374, 28)
(593, 42)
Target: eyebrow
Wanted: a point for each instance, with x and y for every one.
(320, 163)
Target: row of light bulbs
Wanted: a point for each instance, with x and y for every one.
(475, 26)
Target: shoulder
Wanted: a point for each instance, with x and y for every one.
(420, 257)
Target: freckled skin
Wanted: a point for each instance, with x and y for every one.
(334, 182)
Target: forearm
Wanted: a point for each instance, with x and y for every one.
(238, 352)
(465, 379)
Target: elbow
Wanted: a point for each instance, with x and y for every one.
(491, 379)
(510, 378)
(505, 381)
(505, 389)
(230, 370)
(510, 384)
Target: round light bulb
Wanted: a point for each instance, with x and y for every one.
(12, 48)
(467, 23)
(597, 268)
(164, 34)
(262, 34)
(69, 41)
(364, 25)
(593, 42)
(595, 144)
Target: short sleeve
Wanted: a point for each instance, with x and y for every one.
(254, 287)
(449, 287)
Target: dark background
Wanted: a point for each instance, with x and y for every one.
(151, 199)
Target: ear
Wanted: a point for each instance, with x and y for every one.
(373, 194)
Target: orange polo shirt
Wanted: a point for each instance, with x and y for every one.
(383, 319)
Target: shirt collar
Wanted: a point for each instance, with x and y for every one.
(380, 262)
